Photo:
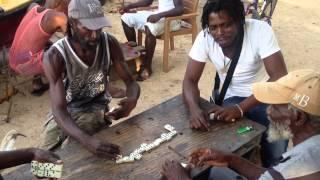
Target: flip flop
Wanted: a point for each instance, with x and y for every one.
(40, 91)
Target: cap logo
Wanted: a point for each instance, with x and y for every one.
(94, 8)
(302, 100)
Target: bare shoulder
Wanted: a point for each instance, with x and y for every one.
(116, 53)
(53, 63)
(112, 40)
(56, 17)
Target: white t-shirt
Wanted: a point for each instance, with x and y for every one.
(165, 5)
(304, 160)
(259, 42)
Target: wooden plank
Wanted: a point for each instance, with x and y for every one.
(145, 127)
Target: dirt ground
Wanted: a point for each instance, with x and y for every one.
(295, 22)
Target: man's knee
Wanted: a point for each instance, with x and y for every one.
(51, 136)
(148, 32)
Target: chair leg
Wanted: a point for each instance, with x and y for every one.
(139, 38)
(194, 30)
(172, 43)
(166, 53)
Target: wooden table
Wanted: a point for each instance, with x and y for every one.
(145, 127)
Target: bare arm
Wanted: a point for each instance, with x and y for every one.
(191, 95)
(176, 11)
(54, 21)
(23, 156)
(132, 87)
(276, 68)
(141, 3)
(190, 89)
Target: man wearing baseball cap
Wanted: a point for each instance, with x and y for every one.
(294, 113)
(77, 68)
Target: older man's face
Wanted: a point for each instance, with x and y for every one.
(87, 38)
(280, 120)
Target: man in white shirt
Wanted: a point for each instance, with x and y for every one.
(294, 114)
(152, 22)
(224, 26)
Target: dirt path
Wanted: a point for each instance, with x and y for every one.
(297, 27)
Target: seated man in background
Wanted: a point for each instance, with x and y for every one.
(294, 114)
(32, 37)
(77, 68)
(153, 25)
(14, 158)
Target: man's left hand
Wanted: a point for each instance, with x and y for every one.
(154, 18)
(125, 107)
(228, 114)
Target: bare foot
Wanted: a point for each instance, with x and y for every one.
(172, 170)
(144, 74)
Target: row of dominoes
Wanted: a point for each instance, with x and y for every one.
(48, 170)
(137, 154)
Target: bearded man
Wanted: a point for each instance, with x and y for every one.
(294, 113)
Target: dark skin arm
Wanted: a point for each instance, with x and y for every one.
(132, 87)
(23, 156)
(176, 11)
(212, 157)
(141, 3)
(54, 21)
(191, 95)
(275, 67)
(54, 68)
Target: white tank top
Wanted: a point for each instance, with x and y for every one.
(165, 5)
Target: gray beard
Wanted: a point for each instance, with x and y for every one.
(279, 131)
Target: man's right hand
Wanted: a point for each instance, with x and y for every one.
(199, 120)
(103, 149)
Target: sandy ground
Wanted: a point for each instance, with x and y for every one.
(296, 24)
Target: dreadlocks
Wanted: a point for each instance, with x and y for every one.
(234, 8)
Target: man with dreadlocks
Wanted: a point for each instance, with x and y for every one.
(225, 35)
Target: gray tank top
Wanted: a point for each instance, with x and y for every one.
(86, 85)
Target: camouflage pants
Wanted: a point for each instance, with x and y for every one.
(90, 122)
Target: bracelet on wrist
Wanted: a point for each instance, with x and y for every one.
(240, 109)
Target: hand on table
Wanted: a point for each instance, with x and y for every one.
(210, 157)
(199, 120)
(103, 149)
(228, 114)
(125, 107)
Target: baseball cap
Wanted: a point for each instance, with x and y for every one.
(299, 88)
(89, 13)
